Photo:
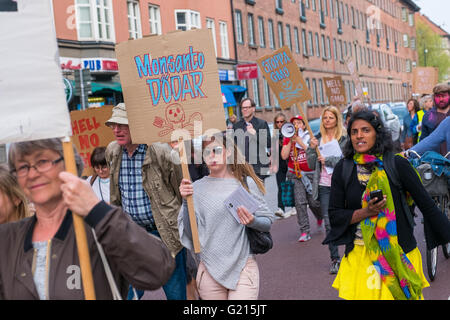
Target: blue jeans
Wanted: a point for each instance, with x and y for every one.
(324, 197)
(175, 287)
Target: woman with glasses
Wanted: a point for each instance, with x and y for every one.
(281, 167)
(100, 179)
(39, 253)
(227, 269)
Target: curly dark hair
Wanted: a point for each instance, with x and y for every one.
(383, 141)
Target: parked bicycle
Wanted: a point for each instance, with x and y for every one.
(434, 170)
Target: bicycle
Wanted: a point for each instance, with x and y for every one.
(434, 170)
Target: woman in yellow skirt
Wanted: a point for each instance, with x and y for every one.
(381, 260)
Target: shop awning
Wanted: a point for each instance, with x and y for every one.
(230, 93)
(103, 85)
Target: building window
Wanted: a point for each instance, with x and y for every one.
(411, 19)
(280, 34)
(288, 36)
(262, 36)
(187, 19)
(255, 91)
(328, 48)
(317, 44)
(314, 89)
(309, 89)
(335, 49)
(95, 20)
(134, 20)
(223, 28)
(322, 100)
(266, 93)
(305, 47)
(324, 52)
(251, 31)
(211, 25)
(271, 34)
(404, 14)
(238, 22)
(243, 83)
(296, 40)
(310, 43)
(154, 19)
(405, 40)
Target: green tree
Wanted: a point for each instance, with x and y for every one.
(436, 55)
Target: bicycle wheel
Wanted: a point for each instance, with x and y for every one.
(432, 257)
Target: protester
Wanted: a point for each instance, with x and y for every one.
(13, 203)
(231, 121)
(410, 134)
(280, 167)
(301, 175)
(144, 182)
(441, 110)
(255, 131)
(378, 236)
(433, 142)
(426, 102)
(100, 179)
(228, 269)
(48, 238)
(331, 128)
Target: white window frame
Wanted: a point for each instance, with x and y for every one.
(238, 22)
(255, 86)
(223, 30)
(190, 22)
(296, 41)
(107, 20)
(210, 24)
(270, 34)
(134, 29)
(154, 19)
(251, 29)
(261, 33)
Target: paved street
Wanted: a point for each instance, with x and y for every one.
(299, 271)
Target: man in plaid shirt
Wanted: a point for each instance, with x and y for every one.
(144, 181)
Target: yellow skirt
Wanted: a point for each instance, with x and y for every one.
(358, 279)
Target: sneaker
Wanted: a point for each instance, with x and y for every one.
(292, 212)
(319, 222)
(280, 213)
(304, 237)
(334, 266)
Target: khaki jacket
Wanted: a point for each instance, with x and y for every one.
(161, 178)
(135, 257)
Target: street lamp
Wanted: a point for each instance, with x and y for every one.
(425, 51)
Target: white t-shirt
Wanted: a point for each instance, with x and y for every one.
(101, 188)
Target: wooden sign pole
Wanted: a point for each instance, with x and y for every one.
(190, 200)
(80, 231)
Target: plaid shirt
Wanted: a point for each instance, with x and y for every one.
(135, 200)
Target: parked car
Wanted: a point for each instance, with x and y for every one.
(389, 118)
(400, 109)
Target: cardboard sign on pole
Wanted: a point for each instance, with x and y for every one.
(350, 63)
(335, 90)
(424, 79)
(171, 82)
(284, 77)
(89, 131)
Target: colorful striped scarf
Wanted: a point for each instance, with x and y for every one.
(380, 237)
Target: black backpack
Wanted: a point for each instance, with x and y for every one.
(391, 172)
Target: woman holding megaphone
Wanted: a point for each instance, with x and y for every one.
(295, 144)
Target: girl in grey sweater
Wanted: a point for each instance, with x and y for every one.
(227, 268)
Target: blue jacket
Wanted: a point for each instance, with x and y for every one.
(434, 140)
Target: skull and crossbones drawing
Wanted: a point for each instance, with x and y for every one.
(176, 119)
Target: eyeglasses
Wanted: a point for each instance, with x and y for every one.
(119, 126)
(100, 167)
(282, 121)
(40, 166)
(216, 150)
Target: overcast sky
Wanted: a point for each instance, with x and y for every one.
(437, 10)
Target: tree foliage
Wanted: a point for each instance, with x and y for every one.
(437, 52)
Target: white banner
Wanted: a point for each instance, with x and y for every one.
(32, 98)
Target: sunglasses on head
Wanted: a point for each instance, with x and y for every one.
(217, 150)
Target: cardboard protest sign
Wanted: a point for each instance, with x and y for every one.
(284, 77)
(33, 104)
(424, 79)
(335, 90)
(89, 131)
(350, 63)
(170, 83)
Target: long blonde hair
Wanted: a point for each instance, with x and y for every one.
(10, 188)
(339, 130)
(236, 163)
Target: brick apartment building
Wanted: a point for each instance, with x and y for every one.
(378, 34)
(88, 30)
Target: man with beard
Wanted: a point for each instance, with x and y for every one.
(440, 111)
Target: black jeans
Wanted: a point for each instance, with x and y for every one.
(324, 197)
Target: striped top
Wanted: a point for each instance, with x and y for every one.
(223, 241)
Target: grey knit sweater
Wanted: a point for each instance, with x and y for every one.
(223, 241)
